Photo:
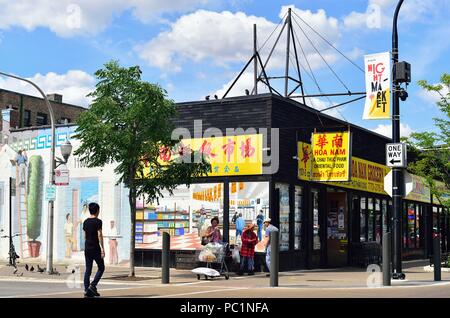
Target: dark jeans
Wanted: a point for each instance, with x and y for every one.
(90, 257)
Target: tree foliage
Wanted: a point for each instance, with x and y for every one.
(432, 149)
(127, 123)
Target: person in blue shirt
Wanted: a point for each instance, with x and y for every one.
(259, 223)
(21, 161)
(240, 224)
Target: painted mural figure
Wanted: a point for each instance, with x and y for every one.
(113, 243)
(21, 161)
(84, 215)
(68, 232)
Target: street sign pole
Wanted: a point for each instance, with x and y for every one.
(397, 173)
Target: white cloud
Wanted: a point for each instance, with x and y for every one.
(379, 13)
(386, 130)
(85, 17)
(225, 38)
(73, 85)
(433, 97)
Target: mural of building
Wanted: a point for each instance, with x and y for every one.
(29, 207)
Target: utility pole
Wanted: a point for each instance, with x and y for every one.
(51, 179)
(397, 173)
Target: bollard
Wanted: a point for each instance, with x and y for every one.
(165, 257)
(387, 259)
(437, 258)
(274, 258)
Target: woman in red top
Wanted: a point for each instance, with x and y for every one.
(249, 241)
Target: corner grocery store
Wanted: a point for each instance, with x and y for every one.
(322, 224)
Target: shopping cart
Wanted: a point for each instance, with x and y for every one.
(213, 254)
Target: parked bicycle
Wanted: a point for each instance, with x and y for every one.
(13, 256)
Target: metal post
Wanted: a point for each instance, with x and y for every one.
(288, 44)
(397, 173)
(274, 258)
(387, 259)
(51, 173)
(165, 258)
(10, 221)
(437, 257)
(255, 61)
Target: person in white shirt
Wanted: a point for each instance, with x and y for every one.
(68, 231)
(113, 243)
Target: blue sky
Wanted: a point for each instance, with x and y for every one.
(194, 48)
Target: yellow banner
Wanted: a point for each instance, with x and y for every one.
(228, 156)
(420, 191)
(378, 81)
(366, 175)
(331, 156)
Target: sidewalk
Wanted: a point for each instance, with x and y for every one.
(319, 278)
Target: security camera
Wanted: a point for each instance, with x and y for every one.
(403, 95)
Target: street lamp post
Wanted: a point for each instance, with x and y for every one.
(397, 173)
(49, 261)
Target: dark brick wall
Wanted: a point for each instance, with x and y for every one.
(35, 105)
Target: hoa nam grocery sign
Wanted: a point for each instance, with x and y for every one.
(330, 156)
(365, 175)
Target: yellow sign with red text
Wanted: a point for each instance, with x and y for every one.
(331, 154)
(228, 155)
(365, 175)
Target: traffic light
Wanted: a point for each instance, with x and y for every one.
(403, 72)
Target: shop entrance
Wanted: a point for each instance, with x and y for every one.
(337, 223)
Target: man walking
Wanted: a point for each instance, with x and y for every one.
(269, 228)
(94, 250)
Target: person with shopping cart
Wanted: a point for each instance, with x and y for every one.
(249, 241)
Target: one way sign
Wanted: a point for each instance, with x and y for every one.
(396, 155)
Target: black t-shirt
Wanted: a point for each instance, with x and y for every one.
(91, 227)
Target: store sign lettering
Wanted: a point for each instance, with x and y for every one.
(365, 175)
(228, 156)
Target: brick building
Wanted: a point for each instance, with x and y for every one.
(20, 111)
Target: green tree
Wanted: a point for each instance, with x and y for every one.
(127, 124)
(432, 149)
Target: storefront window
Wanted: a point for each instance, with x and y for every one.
(284, 216)
(384, 212)
(362, 218)
(435, 219)
(411, 215)
(249, 203)
(298, 218)
(371, 219)
(316, 224)
(185, 215)
(377, 221)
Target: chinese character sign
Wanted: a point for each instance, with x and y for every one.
(330, 156)
(228, 156)
(378, 83)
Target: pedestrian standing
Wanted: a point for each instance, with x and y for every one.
(240, 224)
(269, 229)
(94, 250)
(259, 223)
(249, 241)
